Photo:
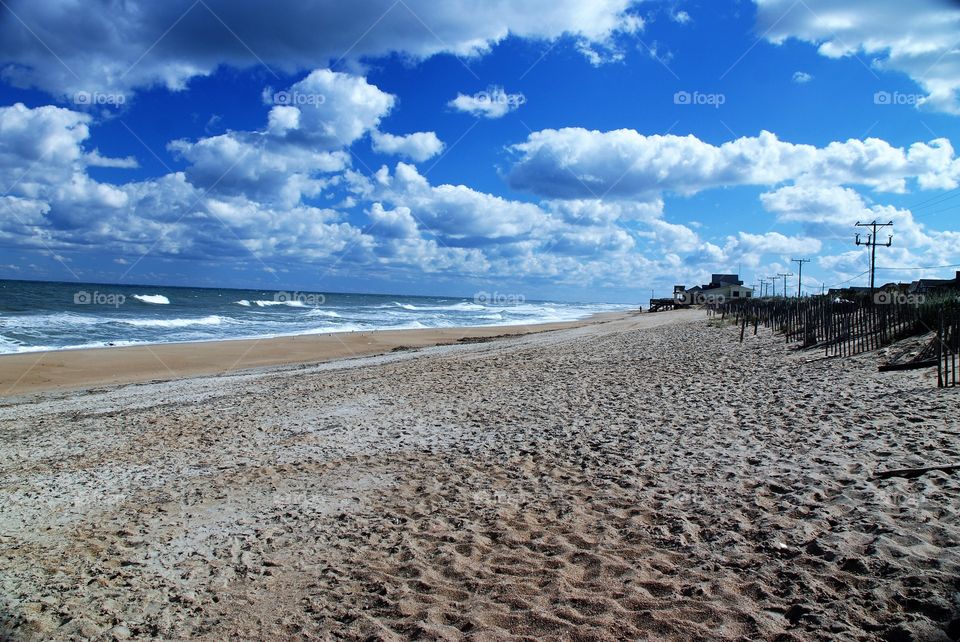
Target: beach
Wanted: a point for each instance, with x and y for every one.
(84, 368)
(641, 476)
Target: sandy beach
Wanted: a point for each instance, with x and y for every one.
(647, 478)
(85, 368)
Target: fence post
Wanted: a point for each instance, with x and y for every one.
(940, 337)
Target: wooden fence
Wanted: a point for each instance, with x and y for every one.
(948, 348)
(844, 328)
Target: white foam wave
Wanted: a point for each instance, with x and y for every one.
(213, 319)
(243, 302)
(155, 299)
(20, 349)
(290, 304)
(316, 312)
(462, 306)
(57, 320)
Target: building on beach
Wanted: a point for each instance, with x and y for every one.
(935, 286)
(722, 287)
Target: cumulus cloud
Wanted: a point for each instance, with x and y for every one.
(304, 138)
(917, 38)
(333, 109)
(457, 211)
(256, 211)
(158, 43)
(830, 211)
(419, 146)
(42, 157)
(492, 103)
(580, 163)
(560, 240)
(801, 77)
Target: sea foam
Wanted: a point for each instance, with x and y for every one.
(155, 299)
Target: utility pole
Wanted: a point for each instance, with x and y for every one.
(784, 282)
(773, 284)
(872, 243)
(800, 262)
(763, 287)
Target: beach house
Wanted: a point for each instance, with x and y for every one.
(722, 287)
(934, 286)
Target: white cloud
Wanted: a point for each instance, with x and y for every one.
(334, 109)
(419, 146)
(801, 77)
(42, 157)
(681, 17)
(457, 211)
(492, 103)
(579, 163)
(918, 38)
(773, 243)
(305, 138)
(396, 223)
(158, 42)
(830, 212)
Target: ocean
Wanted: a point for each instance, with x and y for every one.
(55, 316)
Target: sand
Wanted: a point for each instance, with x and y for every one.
(647, 478)
(85, 368)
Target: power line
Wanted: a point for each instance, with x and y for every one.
(935, 200)
(927, 267)
(850, 279)
(952, 208)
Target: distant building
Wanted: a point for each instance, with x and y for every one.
(853, 290)
(932, 286)
(730, 291)
(720, 280)
(722, 287)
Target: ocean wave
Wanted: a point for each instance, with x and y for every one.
(462, 306)
(155, 299)
(289, 304)
(21, 349)
(57, 320)
(243, 302)
(317, 312)
(9, 345)
(213, 319)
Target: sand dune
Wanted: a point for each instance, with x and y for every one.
(648, 478)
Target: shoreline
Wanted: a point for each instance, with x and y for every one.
(84, 368)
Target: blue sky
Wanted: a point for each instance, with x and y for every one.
(549, 149)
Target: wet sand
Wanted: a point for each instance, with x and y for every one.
(648, 478)
(87, 368)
